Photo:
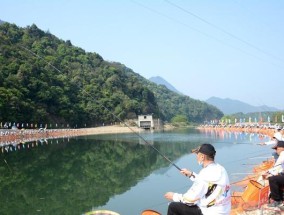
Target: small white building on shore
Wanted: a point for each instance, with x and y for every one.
(146, 121)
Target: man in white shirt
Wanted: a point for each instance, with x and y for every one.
(276, 176)
(210, 192)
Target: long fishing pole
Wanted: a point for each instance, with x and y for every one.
(153, 147)
(7, 165)
(246, 179)
(115, 116)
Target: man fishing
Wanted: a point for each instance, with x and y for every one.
(210, 192)
(275, 176)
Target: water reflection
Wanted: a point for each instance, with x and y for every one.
(72, 176)
(236, 136)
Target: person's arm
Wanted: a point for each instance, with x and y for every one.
(192, 175)
(274, 170)
(197, 190)
(268, 142)
(277, 168)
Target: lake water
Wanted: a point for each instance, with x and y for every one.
(118, 172)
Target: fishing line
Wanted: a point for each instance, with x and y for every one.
(114, 115)
(213, 37)
(224, 31)
(242, 173)
(260, 157)
(137, 134)
(246, 179)
(241, 159)
(156, 205)
(7, 165)
(251, 174)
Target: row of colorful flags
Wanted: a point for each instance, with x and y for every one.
(31, 125)
(244, 120)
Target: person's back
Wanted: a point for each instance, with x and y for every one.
(220, 197)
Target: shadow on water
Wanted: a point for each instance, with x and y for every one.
(71, 176)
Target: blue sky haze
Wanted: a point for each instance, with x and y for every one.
(228, 49)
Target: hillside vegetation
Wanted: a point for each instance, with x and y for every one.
(45, 79)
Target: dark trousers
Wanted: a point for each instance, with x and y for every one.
(178, 208)
(276, 184)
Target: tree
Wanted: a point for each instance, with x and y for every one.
(179, 119)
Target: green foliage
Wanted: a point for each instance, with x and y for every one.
(45, 79)
(179, 119)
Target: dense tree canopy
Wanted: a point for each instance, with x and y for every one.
(45, 79)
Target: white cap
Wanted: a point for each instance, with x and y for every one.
(278, 136)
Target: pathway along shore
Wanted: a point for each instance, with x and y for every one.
(11, 136)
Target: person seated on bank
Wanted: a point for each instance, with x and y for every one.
(272, 141)
(276, 137)
(210, 192)
(275, 176)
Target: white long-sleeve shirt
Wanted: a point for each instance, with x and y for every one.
(278, 166)
(217, 202)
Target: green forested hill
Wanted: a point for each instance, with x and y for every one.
(45, 79)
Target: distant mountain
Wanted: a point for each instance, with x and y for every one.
(160, 81)
(230, 106)
(1, 21)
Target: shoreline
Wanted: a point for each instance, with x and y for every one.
(17, 136)
(263, 131)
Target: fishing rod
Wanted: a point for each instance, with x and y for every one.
(114, 115)
(245, 158)
(7, 165)
(242, 173)
(5, 161)
(254, 176)
(243, 180)
(137, 134)
(260, 157)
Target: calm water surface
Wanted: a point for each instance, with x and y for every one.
(118, 172)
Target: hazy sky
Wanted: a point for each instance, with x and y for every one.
(224, 48)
